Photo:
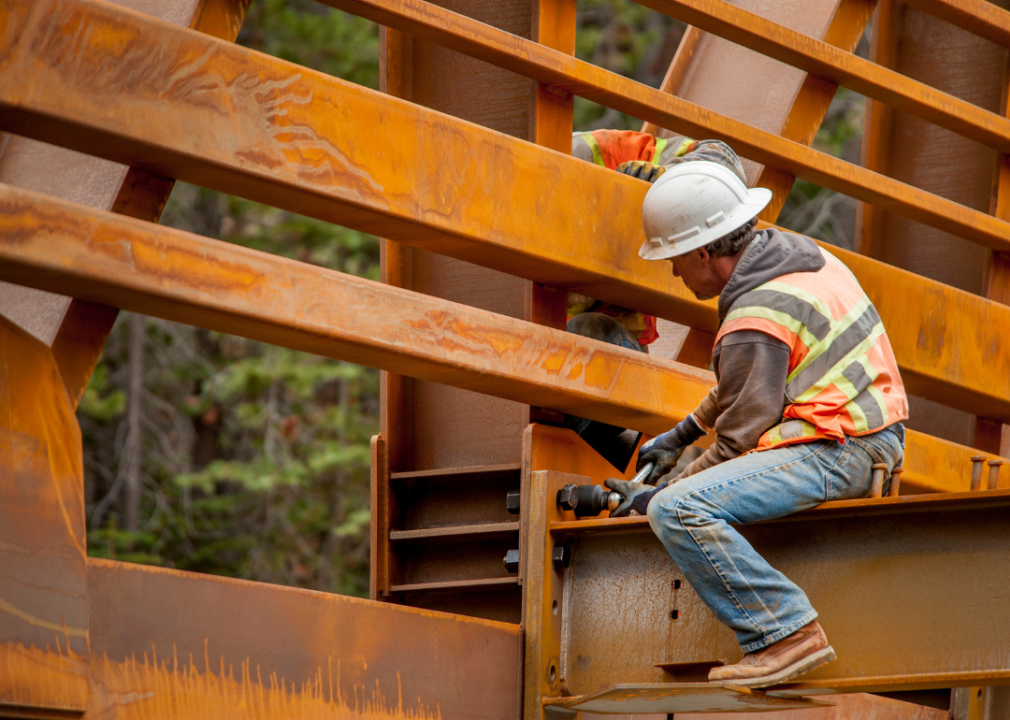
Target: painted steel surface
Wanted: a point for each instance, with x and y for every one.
(879, 572)
(170, 645)
(126, 263)
(382, 179)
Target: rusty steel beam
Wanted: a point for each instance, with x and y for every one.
(105, 119)
(171, 645)
(118, 261)
(983, 18)
(825, 61)
(879, 572)
(363, 166)
(551, 67)
(121, 262)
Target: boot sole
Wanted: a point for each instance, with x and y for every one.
(800, 667)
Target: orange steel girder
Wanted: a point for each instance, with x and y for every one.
(384, 179)
(121, 262)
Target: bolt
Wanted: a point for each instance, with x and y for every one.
(567, 497)
(512, 561)
(512, 502)
(561, 557)
(994, 466)
(976, 471)
(676, 584)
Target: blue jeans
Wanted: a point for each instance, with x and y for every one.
(692, 518)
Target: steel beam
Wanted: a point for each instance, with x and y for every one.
(381, 165)
(172, 645)
(581, 78)
(879, 572)
(825, 61)
(121, 262)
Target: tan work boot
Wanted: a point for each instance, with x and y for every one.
(793, 655)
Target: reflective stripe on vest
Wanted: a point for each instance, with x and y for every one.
(660, 147)
(595, 147)
(832, 371)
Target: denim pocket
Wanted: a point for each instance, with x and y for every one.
(884, 446)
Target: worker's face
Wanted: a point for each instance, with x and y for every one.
(698, 273)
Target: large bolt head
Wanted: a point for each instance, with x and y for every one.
(561, 557)
(512, 561)
(512, 502)
(568, 498)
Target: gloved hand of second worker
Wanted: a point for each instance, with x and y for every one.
(642, 170)
(636, 496)
(663, 451)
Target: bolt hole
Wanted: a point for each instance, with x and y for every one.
(980, 694)
(674, 614)
(554, 608)
(554, 673)
(676, 584)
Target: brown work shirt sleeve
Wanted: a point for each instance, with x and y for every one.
(751, 367)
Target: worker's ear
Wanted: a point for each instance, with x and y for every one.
(703, 256)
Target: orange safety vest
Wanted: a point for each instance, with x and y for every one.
(610, 149)
(843, 378)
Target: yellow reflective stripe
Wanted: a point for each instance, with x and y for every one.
(818, 304)
(859, 421)
(837, 328)
(834, 375)
(774, 435)
(685, 147)
(777, 317)
(660, 147)
(881, 401)
(595, 147)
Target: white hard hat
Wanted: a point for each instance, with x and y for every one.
(693, 204)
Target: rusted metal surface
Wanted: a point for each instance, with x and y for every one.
(33, 165)
(464, 223)
(825, 61)
(550, 67)
(172, 645)
(702, 697)
(117, 261)
(870, 567)
(43, 596)
(985, 19)
(846, 707)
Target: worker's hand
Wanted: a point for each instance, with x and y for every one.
(636, 496)
(663, 451)
(642, 170)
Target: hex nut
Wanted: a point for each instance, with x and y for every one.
(567, 497)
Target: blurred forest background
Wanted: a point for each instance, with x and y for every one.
(217, 454)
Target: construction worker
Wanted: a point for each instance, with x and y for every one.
(808, 399)
(646, 157)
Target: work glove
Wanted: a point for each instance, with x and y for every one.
(636, 496)
(642, 170)
(663, 451)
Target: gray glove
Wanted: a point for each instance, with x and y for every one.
(636, 496)
(663, 451)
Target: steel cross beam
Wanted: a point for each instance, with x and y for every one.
(280, 134)
(581, 78)
(118, 261)
(879, 572)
